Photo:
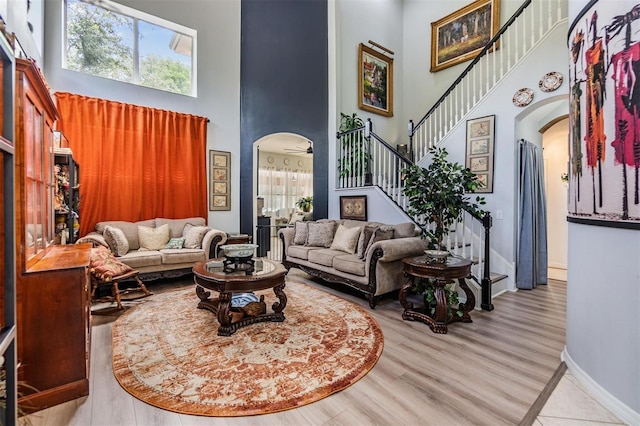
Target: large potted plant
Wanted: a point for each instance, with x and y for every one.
(438, 194)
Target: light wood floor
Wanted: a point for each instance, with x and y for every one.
(489, 372)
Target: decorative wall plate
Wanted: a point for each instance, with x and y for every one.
(523, 97)
(550, 81)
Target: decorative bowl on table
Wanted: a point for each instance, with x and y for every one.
(238, 250)
(436, 256)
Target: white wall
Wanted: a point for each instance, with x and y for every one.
(379, 207)
(218, 26)
(603, 313)
(358, 21)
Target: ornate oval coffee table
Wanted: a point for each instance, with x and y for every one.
(210, 275)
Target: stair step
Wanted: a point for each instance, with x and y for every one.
(497, 277)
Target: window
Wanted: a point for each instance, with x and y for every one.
(120, 43)
(281, 188)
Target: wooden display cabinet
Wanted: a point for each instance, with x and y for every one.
(52, 282)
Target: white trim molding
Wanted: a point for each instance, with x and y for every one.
(600, 394)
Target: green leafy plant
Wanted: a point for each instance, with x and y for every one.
(354, 145)
(427, 288)
(438, 194)
(305, 203)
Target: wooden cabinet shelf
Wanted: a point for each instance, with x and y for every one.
(55, 359)
(52, 281)
(66, 197)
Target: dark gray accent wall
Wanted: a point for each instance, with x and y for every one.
(283, 87)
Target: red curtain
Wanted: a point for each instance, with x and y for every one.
(136, 162)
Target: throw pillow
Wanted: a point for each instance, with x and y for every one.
(153, 238)
(175, 243)
(363, 241)
(301, 230)
(296, 217)
(104, 266)
(117, 240)
(320, 234)
(404, 230)
(380, 234)
(346, 239)
(193, 235)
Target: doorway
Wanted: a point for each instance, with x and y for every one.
(282, 175)
(555, 145)
(546, 125)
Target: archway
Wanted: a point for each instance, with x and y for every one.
(546, 124)
(282, 175)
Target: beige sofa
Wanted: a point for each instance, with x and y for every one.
(158, 248)
(372, 264)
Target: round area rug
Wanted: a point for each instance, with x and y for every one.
(166, 352)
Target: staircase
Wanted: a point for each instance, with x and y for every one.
(375, 162)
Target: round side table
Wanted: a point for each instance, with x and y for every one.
(443, 274)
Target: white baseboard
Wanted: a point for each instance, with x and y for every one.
(557, 274)
(611, 403)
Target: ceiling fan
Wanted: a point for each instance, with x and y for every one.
(301, 149)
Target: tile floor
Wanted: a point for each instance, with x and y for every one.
(569, 405)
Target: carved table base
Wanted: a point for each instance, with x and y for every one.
(418, 267)
(231, 320)
(269, 275)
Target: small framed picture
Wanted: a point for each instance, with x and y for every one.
(480, 147)
(219, 180)
(219, 188)
(219, 174)
(353, 207)
(220, 160)
(221, 202)
(483, 178)
(479, 164)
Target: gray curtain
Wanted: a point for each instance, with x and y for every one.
(531, 264)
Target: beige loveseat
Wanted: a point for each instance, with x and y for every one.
(158, 248)
(364, 255)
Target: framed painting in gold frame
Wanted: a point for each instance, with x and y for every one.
(461, 35)
(375, 81)
(219, 180)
